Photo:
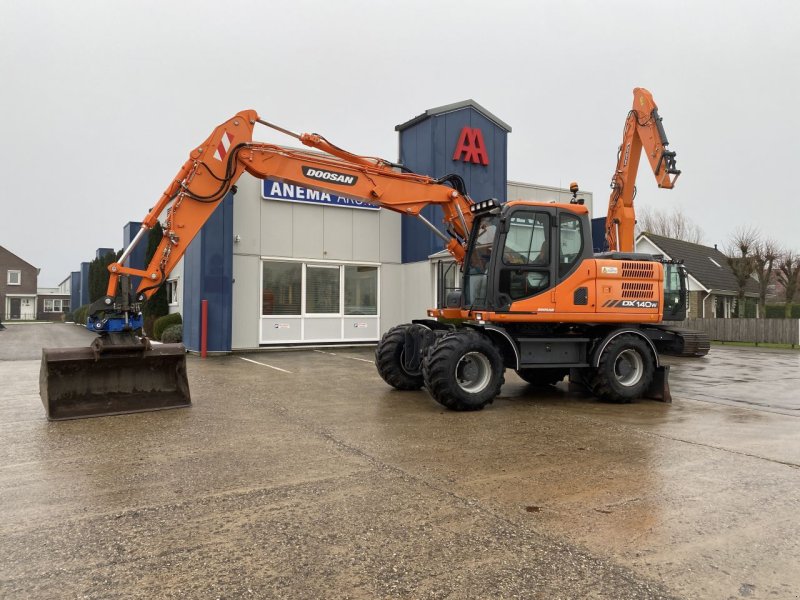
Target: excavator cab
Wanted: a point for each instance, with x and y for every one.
(521, 250)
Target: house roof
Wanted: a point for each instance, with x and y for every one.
(440, 110)
(4, 249)
(707, 265)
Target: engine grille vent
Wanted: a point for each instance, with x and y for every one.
(637, 290)
(637, 270)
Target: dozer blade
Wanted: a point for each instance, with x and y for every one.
(77, 383)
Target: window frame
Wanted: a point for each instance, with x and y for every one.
(546, 268)
(18, 273)
(172, 292)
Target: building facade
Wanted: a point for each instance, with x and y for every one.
(18, 279)
(713, 290)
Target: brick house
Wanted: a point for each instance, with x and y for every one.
(712, 286)
(18, 280)
(53, 304)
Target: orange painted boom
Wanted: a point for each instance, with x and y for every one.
(643, 130)
(216, 164)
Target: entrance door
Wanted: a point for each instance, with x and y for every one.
(26, 309)
(15, 308)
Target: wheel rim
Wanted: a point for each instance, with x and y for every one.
(473, 372)
(628, 367)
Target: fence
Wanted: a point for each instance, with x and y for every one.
(759, 331)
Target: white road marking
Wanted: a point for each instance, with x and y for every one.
(372, 362)
(266, 365)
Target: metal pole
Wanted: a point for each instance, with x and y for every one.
(204, 328)
(132, 245)
(433, 228)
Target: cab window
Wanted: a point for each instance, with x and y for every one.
(526, 255)
(570, 246)
(528, 239)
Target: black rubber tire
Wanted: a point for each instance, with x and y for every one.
(389, 360)
(619, 362)
(460, 351)
(542, 377)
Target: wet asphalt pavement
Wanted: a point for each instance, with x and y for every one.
(319, 481)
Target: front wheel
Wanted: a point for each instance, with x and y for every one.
(397, 358)
(625, 370)
(463, 370)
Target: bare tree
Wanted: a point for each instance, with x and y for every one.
(674, 224)
(765, 256)
(740, 259)
(789, 277)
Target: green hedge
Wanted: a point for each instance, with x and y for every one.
(172, 334)
(81, 315)
(163, 322)
(778, 311)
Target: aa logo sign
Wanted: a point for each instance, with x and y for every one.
(470, 147)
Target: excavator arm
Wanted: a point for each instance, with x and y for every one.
(216, 164)
(643, 130)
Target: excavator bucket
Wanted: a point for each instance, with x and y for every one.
(112, 379)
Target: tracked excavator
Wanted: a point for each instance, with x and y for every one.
(533, 297)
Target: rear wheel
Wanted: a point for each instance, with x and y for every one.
(542, 376)
(399, 359)
(625, 370)
(463, 370)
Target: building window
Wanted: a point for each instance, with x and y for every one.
(360, 290)
(322, 289)
(281, 288)
(56, 305)
(172, 291)
(14, 277)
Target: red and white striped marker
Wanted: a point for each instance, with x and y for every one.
(223, 146)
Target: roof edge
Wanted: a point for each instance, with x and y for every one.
(447, 108)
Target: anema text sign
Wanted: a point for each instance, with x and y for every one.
(288, 192)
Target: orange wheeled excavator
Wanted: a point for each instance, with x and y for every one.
(534, 298)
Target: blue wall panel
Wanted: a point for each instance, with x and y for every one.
(74, 290)
(427, 147)
(84, 288)
(208, 275)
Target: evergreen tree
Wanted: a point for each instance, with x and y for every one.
(99, 275)
(157, 305)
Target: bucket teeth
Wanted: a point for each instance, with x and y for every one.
(76, 383)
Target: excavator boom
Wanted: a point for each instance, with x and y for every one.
(643, 131)
(121, 372)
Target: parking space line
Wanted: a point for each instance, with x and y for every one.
(372, 362)
(266, 365)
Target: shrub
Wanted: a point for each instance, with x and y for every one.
(162, 323)
(69, 317)
(172, 334)
(81, 315)
(778, 311)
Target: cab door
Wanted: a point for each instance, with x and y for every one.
(525, 271)
(575, 279)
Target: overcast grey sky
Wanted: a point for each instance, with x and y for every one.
(101, 101)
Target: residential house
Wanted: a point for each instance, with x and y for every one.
(18, 280)
(713, 289)
(53, 304)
